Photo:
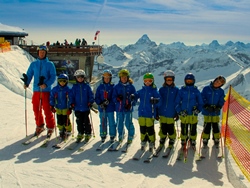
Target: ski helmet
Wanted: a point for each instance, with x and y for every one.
(148, 76)
(169, 74)
(63, 76)
(79, 72)
(107, 73)
(189, 76)
(123, 72)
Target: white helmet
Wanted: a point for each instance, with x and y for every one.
(169, 73)
(79, 72)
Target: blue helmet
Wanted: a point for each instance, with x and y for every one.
(190, 76)
(107, 72)
(63, 76)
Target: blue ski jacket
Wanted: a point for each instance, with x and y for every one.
(59, 97)
(124, 90)
(212, 96)
(187, 98)
(100, 94)
(81, 96)
(146, 109)
(40, 68)
(167, 104)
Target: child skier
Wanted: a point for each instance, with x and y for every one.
(213, 98)
(166, 109)
(149, 97)
(103, 98)
(123, 105)
(189, 104)
(59, 103)
(82, 99)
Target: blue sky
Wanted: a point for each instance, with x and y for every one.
(123, 22)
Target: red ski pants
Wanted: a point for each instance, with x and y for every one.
(40, 101)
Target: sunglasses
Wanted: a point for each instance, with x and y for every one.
(64, 81)
(79, 76)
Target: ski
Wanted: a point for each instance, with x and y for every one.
(45, 143)
(167, 152)
(100, 147)
(218, 152)
(149, 156)
(85, 143)
(73, 145)
(113, 146)
(158, 151)
(118, 146)
(204, 151)
(139, 154)
(62, 143)
(181, 154)
(127, 145)
(31, 139)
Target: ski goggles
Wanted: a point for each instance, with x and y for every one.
(62, 80)
(80, 76)
(148, 81)
(42, 48)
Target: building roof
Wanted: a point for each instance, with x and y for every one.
(6, 30)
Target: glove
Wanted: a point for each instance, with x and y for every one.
(127, 106)
(90, 105)
(52, 109)
(217, 108)
(176, 118)
(132, 97)
(72, 106)
(195, 110)
(154, 100)
(119, 98)
(25, 79)
(183, 113)
(157, 118)
(208, 107)
(41, 80)
(69, 111)
(104, 104)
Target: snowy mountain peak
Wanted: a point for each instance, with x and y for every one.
(144, 40)
(214, 44)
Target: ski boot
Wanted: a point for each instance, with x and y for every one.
(143, 145)
(162, 142)
(151, 146)
(205, 142)
(171, 143)
(216, 142)
(87, 137)
(103, 138)
(49, 132)
(38, 130)
(79, 137)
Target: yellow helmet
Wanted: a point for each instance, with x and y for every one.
(123, 72)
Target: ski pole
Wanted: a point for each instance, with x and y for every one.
(91, 121)
(24, 79)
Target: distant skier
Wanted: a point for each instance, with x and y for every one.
(121, 97)
(59, 103)
(213, 98)
(103, 98)
(166, 109)
(81, 100)
(189, 104)
(44, 74)
(149, 98)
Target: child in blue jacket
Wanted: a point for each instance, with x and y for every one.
(213, 98)
(189, 104)
(106, 107)
(166, 109)
(59, 103)
(149, 97)
(81, 100)
(123, 105)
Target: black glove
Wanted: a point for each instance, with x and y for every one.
(195, 110)
(127, 106)
(176, 118)
(90, 105)
(119, 98)
(41, 80)
(154, 100)
(25, 79)
(72, 106)
(183, 113)
(209, 108)
(52, 109)
(217, 108)
(157, 118)
(132, 97)
(104, 103)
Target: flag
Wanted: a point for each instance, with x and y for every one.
(96, 33)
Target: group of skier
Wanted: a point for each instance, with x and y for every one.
(166, 105)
